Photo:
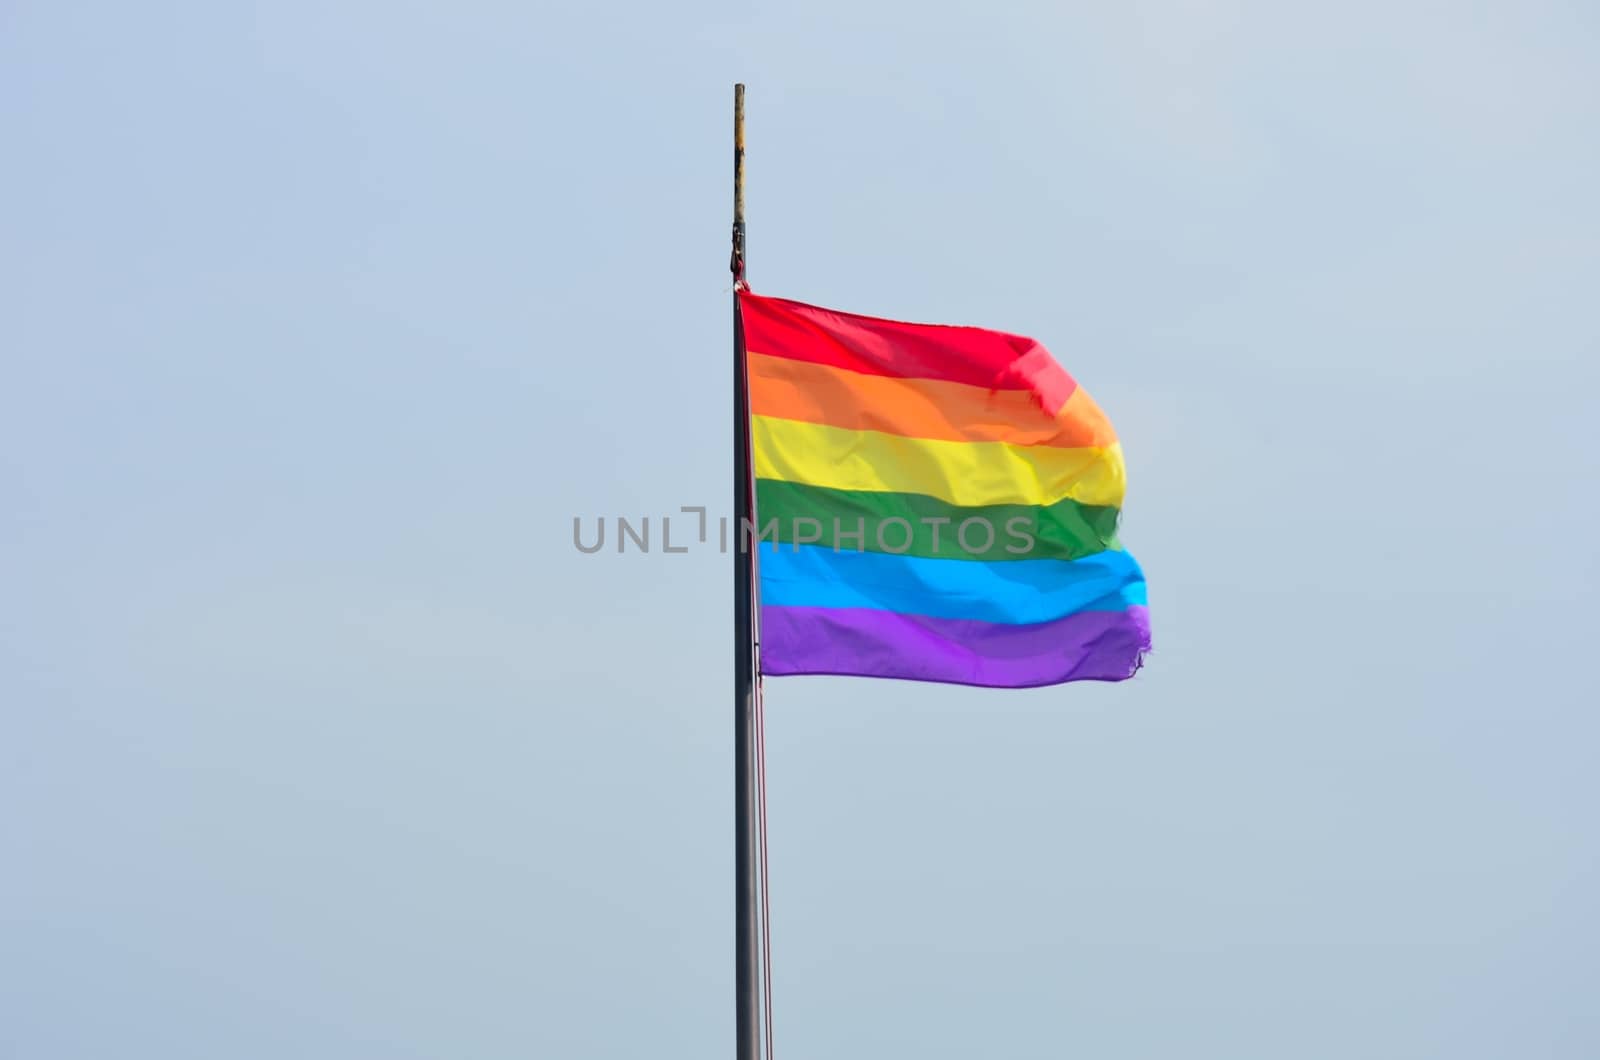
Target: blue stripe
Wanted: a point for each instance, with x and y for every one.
(1014, 591)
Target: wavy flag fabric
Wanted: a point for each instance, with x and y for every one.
(941, 502)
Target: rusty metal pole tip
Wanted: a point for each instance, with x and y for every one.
(736, 263)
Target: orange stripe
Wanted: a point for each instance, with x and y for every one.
(920, 408)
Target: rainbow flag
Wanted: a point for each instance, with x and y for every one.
(942, 504)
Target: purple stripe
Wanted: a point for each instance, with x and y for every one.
(858, 642)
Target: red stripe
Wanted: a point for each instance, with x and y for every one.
(993, 360)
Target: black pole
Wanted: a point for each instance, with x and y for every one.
(744, 904)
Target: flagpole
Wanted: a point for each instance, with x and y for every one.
(744, 905)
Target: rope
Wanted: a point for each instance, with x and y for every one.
(759, 724)
(764, 902)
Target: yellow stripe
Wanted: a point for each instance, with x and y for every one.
(962, 473)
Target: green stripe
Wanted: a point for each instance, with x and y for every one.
(1064, 530)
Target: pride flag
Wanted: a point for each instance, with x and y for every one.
(944, 502)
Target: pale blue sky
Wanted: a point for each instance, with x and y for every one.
(320, 322)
